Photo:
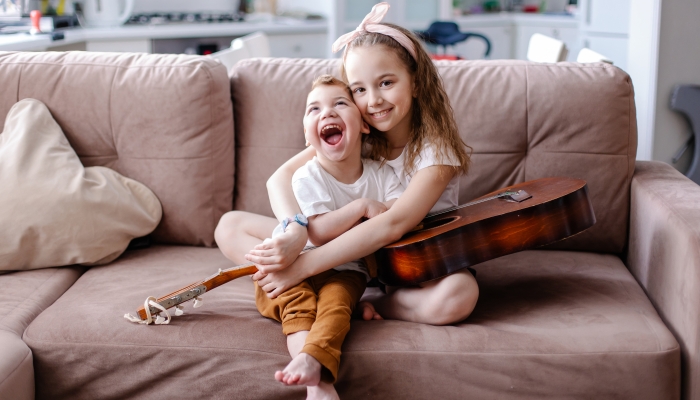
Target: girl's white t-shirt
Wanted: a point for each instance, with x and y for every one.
(427, 158)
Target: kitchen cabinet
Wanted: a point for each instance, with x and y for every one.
(604, 28)
(501, 38)
(510, 33)
(306, 45)
(130, 46)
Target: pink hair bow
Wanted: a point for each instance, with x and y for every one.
(371, 24)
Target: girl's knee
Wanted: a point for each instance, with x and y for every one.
(227, 223)
(453, 299)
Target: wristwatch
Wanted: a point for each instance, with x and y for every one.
(299, 219)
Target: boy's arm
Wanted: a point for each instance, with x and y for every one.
(325, 227)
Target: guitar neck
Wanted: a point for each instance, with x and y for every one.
(198, 288)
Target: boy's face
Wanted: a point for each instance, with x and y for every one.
(333, 124)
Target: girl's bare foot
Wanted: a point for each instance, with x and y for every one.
(302, 370)
(367, 311)
(324, 391)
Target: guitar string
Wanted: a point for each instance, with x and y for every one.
(498, 196)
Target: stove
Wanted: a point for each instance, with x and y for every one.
(184, 18)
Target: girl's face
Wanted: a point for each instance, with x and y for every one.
(383, 90)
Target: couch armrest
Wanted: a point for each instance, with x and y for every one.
(664, 256)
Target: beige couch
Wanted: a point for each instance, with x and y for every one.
(609, 313)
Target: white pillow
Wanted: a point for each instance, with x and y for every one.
(54, 211)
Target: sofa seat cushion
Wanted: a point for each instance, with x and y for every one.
(548, 324)
(16, 371)
(25, 294)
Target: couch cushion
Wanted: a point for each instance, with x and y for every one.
(26, 294)
(524, 120)
(163, 120)
(16, 370)
(23, 296)
(548, 324)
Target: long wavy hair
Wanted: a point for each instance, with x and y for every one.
(432, 118)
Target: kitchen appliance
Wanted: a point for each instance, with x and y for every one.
(183, 18)
(106, 13)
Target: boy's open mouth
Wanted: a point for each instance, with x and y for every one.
(331, 134)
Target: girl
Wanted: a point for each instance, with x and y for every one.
(400, 95)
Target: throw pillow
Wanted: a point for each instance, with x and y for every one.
(54, 211)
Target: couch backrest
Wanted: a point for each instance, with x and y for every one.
(163, 120)
(524, 121)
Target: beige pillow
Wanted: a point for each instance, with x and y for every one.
(54, 211)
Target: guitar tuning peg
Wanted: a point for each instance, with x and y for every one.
(197, 302)
(159, 320)
(178, 310)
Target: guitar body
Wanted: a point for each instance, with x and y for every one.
(556, 209)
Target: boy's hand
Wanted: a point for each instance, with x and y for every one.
(373, 208)
(278, 253)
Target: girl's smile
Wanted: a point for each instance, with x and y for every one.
(383, 89)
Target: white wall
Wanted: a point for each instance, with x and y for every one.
(679, 63)
(321, 7)
(664, 51)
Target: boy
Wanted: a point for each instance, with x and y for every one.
(335, 191)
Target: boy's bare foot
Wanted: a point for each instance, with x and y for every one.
(367, 311)
(302, 370)
(324, 391)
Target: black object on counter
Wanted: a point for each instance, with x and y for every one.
(446, 33)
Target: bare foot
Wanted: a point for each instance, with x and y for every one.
(367, 311)
(302, 370)
(324, 391)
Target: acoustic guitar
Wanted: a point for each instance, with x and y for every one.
(520, 217)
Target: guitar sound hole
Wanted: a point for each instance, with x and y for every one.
(430, 225)
(438, 222)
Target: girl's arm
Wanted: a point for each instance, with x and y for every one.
(405, 214)
(325, 227)
(281, 251)
(279, 186)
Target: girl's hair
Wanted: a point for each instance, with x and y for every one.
(432, 119)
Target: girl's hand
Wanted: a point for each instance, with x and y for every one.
(278, 253)
(276, 283)
(373, 208)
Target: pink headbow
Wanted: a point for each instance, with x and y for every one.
(371, 24)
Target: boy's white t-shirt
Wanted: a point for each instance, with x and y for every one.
(318, 192)
(427, 158)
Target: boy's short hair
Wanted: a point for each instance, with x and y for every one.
(330, 80)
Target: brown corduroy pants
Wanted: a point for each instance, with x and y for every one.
(322, 305)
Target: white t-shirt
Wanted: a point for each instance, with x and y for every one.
(427, 158)
(318, 192)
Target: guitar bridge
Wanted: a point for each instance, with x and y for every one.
(517, 197)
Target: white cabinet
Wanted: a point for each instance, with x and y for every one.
(604, 28)
(605, 16)
(129, 46)
(307, 45)
(501, 38)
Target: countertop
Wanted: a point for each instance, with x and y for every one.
(27, 42)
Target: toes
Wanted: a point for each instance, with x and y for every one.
(279, 375)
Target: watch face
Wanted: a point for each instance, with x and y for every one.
(302, 218)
